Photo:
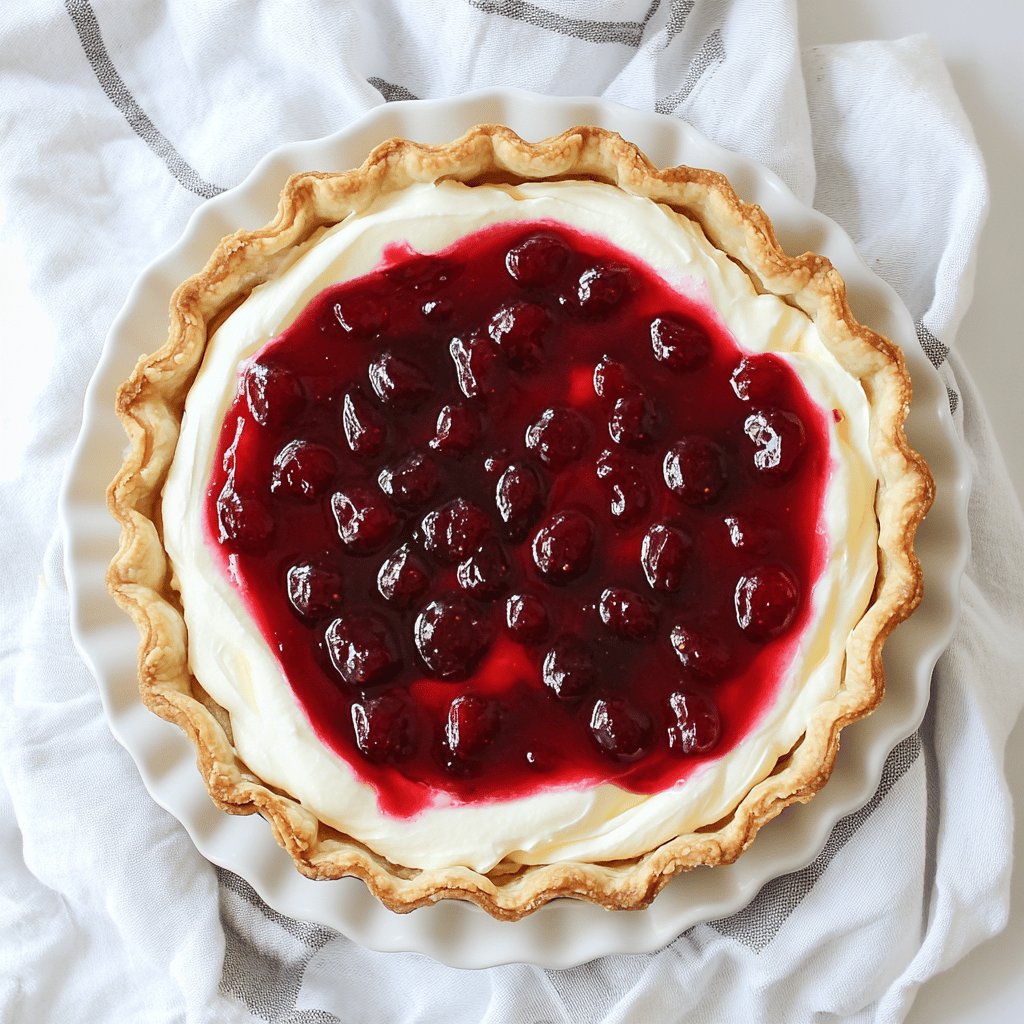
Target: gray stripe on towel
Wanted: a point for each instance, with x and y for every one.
(84, 18)
(629, 33)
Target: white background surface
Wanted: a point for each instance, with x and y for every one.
(981, 42)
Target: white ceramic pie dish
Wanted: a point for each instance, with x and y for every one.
(566, 932)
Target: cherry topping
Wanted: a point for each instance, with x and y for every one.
(569, 670)
(679, 343)
(519, 499)
(766, 601)
(476, 365)
(557, 437)
(664, 555)
(611, 379)
(633, 421)
(527, 618)
(757, 378)
(627, 614)
(243, 521)
(520, 329)
(363, 427)
(383, 729)
(457, 431)
(563, 545)
(364, 519)
(694, 470)
(303, 470)
(453, 531)
(622, 730)
(696, 724)
(627, 489)
(485, 573)
(361, 315)
(451, 637)
(537, 261)
(402, 577)
(702, 655)
(604, 287)
(398, 383)
(395, 472)
(778, 437)
(471, 726)
(362, 649)
(314, 588)
(411, 481)
(273, 395)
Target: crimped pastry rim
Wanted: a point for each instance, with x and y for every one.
(150, 402)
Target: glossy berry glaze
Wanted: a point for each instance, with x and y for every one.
(518, 516)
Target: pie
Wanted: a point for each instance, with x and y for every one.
(512, 521)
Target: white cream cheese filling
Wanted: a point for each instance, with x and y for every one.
(239, 670)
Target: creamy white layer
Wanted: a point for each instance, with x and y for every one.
(236, 666)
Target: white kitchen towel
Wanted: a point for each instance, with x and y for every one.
(116, 123)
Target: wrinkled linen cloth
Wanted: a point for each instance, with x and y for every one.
(115, 128)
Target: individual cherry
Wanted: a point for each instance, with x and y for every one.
(364, 518)
(423, 273)
(411, 481)
(520, 329)
(633, 422)
(485, 573)
(364, 430)
(519, 499)
(303, 470)
(778, 437)
(457, 430)
(362, 649)
(749, 533)
(402, 577)
(569, 670)
(526, 618)
(450, 637)
(315, 588)
(274, 395)
(557, 437)
(767, 601)
(622, 730)
(679, 343)
(438, 310)
(477, 366)
(453, 531)
(383, 728)
(611, 379)
(243, 522)
(702, 654)
(758, 378)
(626, 614)
(539, 260)
(362, 315)
(563, 546)
(398, 383)
(471, 726)
(695, 724)
(665, 556)
(694, 470)
(602, 288)
(627, 489)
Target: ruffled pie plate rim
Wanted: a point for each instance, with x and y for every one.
(456, 933)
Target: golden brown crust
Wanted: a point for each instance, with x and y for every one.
(150, 405)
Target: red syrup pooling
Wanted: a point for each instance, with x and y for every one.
(518, 516)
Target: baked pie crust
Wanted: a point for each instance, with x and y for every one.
(150, 405)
